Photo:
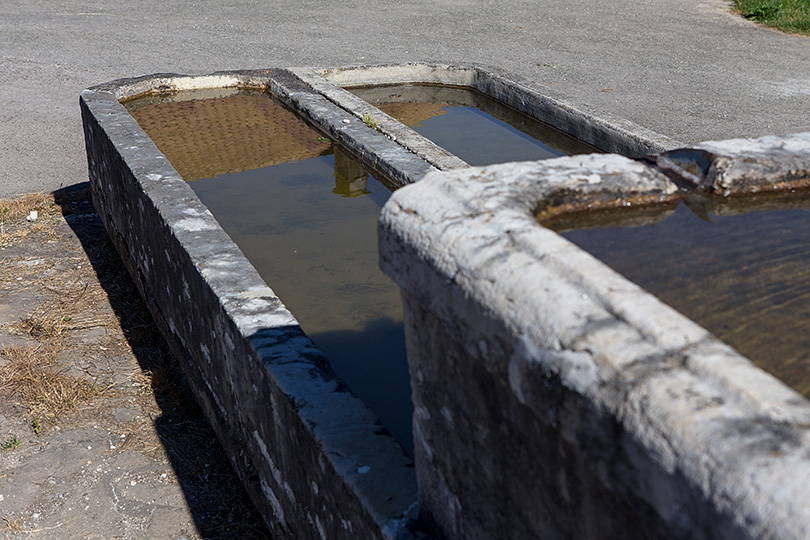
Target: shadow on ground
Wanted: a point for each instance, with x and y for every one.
(217, 502)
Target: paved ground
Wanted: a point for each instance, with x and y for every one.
(99, 436)
(689, 69)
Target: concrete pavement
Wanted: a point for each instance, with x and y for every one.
(690, 70)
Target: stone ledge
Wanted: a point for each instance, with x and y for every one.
(631, 420)
(311, 455)
(601, 130)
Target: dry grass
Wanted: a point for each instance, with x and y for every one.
(14, 211)
(13, 525)
(41, 325)
(154, 381)
(18, 208)
(76, 302)
(72, 294)
(32, 374)
(162, 382)
(11, 236)
(143, 438)
(76, 305)
(52, 320)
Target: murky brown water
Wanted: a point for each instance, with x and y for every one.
(744, 277)
(207, 133)
(305, 216)
(476, 128)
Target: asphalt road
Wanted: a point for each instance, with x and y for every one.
(688, 69)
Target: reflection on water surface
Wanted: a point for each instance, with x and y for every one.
(476, 128)
(305, 216)
(743, 276)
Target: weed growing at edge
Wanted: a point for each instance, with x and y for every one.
(11, 443)
(370, 122)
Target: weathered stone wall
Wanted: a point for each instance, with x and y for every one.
(312, 456)
(599, 129)
(555, 399)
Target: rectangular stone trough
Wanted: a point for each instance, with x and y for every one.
(315, 460)
(603, 131)
(554, 398)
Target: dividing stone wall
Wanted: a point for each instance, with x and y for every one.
(555, 399)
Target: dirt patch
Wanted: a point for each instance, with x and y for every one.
(100, 436)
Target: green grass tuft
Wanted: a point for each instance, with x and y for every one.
(370, 122)
(786, 15)
(11, 443)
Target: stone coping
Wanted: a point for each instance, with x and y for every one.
(539, 313)
(313, 457)
(603, 131)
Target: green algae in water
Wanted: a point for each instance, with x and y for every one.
(474, 127)
(743, 277)
(305, 216)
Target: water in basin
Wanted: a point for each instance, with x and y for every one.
(475, 127)
(305, 215)
(744, 275)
